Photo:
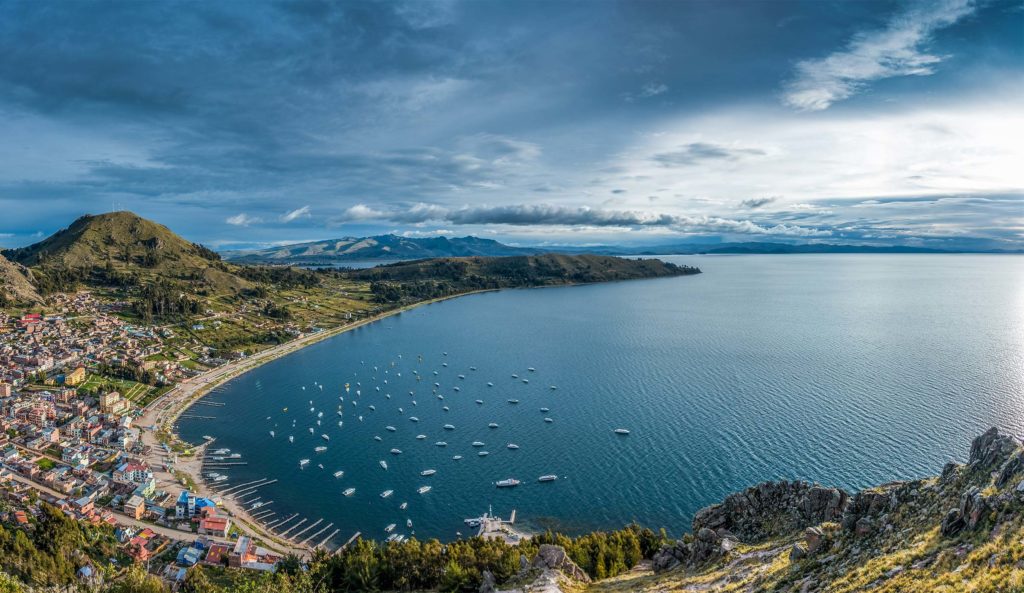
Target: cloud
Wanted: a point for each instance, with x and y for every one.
(896, 50)
(242, 219)
(653, 89)
(696, 152)
(302, 212)
(755, 203)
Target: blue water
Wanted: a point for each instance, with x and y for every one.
(848, 370)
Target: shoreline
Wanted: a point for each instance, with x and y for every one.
(158, 418)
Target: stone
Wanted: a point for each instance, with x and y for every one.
(797, 552)
(554, 557)
(487, 582)
(864, 526)
(814, 537)
(991, 449)
(952, 523)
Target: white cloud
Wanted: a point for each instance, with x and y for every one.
(242, 219)
(896, 50)
(297, 213)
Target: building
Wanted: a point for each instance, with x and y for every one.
(189, 504)
(214, 525)
(75, 377)
(113, 403)
(135, 507)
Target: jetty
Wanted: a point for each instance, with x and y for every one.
(327, 539)
(493, 527)
(305, 541)
(285, 532)
(308, 527)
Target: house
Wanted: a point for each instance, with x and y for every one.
(135, 507)
(218, 555)
(189, 556)
(113, 403)
(75, 377)
(189, 504)
(218, 526)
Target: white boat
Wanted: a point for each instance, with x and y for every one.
(548, 420)
(372, 408)
(377, 438)
(390, 428)
(389, 528)
(428, 472)
(511, 446)
(515, 376)
(396, 451)
(320, 449)
(513, 401)
(383, 464)
(220, 478)
(408, 523)
(526, 380)
(478, 443)
(441, 444)
(547, 478)
(507, 483)
(320, 465)
(531, 369)
(271, 434)
(339, 473)
(621, 431)
(386, 493)
(420, 437)
(413, 419)
(310, 430)
(462, 376)
(403, 506)
(483, 454)
(424, 489)
(492, 425)
(445, 408)
(291, 439)
(456, 389)
(303, 462)
(392, 538)
(489, 384)
(545, 409)
(449, 427)
(552, 387)
(325, 437)
(456, 457)
(480, 402)
(349, 491)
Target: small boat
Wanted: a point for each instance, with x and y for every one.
(320, 449)
(513, 401)
(456, 457)
(512, 446)
(339, 473)
(420, 437)
(515, 376)
(373, 408)
(545, 409)
(483, 454)
(408, 523)
(507, 483)
(386, 493)
(390, 428)
(492, 425)
(428, 472)
(311, 430)
(547, 478)
(271, 434)
(396, 451)
(392, 538)
(413, 419)
(424, 489)
(439, 396)
(320, 465)
(445, 408)
(403, 506)
(472, 368)
(489, 384)
(441, 444)
(389, 528)
(325, 437)
(552, 387)
(462, 376)
(621, 431)
(480, 401)
(449, 427)
(548, 420)
(526, 380)
(531, 369)
(456, 389)
(478, 444)
(303, 462)
(377, 438)
(220, 478)
(291, 439)
(383, 464)
(349, 491)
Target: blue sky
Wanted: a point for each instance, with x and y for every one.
(245, 123)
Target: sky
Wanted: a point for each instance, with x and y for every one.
(246, 124)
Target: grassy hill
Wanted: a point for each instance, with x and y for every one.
(382, 247)
(121, 247)
(15, 284)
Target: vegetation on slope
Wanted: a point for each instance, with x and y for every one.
(15, 284)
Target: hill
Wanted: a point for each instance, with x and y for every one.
(432, 278)
(15, 284)
(121, 248)
(381, 247)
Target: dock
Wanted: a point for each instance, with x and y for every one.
(327, 539)
(284, 533)
(308, 527)
(305, 541)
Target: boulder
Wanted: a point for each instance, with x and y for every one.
(554, 557)
(815, 539)
(991, 449)
(487, 582)
(797, 552)
(952, 523)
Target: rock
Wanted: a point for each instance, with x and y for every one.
(797, 552)
(487, 582)
(991, 449)
(554, 557)
(952, 523)
(864, 526)
(814, 537)
(949, 472)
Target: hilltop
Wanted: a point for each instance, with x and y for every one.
(122, 248)
(380, 247)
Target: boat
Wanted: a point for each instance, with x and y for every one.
(377, 438)
(320, 449)
(396, 451)
(389, 528)
(552, 387)
(372, 408)
(220, 478)
(526, 380)
(441, 444)
(445, 408)
(545, 409)
(349, 491)
(424, 489)
(408, 523)
(325, 437)
(492, 425)
(456, 389)
(478, 444)
(483, 454)
(220, 451)
(271, 434)
(339, 473)
(511, 446)
(303, 462)
(390, 428)
(480, 401)
(311, 430)
(449, 427)
(320, 465)
(531, 369)
(420, 437)
(386, 493)
(428, 472)
(291, 439)
(472, 368)
(456, 457)
(548, 420)
(547, 478)
(507, 483)
(383, 464)
(513, 401)
(462, 376)
(515, 376)
(489, 384)
(413, 419)
(392, 538)
(622, 431)
(235, 456)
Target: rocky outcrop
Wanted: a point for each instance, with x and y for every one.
(707, 545)
(555, 558)
(991, 449)
(15, 283)
(771, 509)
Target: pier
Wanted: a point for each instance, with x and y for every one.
(308, 527)
(327, 539)
(280, 522)
(285, 533)
(354, 537)
(305, 541)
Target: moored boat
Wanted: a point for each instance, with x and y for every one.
(507, 483)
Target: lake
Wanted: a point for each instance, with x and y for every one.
(848, 370)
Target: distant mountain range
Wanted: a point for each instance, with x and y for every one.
(394, 247)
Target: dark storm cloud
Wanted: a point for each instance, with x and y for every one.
(755, 203)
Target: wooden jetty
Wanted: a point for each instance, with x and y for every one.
(327, 539)
(308, 527)
(305, 541)
(281, 522)
(284, 533)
